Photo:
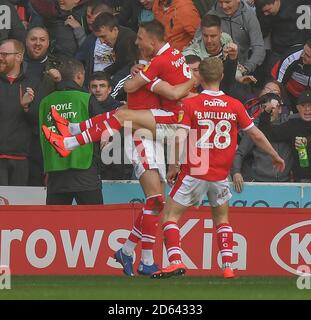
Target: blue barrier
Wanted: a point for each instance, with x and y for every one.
(273, 195)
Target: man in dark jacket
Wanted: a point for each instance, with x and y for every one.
(57, 17)
(100, 87)
(294, 72)
(11, 26)
(297, 127)
(98, 55)
(37, 61)
(76, 177)
(134, 12)
(121, 39)
(279, 19)
(94, 55)
(15, 127)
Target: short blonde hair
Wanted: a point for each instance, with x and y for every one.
(18, 45)
(211, 69)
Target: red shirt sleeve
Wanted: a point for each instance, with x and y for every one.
(151, 70)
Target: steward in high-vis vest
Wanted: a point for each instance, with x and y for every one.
(76, 176)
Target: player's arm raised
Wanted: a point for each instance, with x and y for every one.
(262, 142)
(170, 92)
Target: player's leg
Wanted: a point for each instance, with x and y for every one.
(173, 211)
(137, 119)
(218, 195)
(153, 184)
(68, 129)
(150, 172)
(145, 226)
(186, 192)
(153, 189)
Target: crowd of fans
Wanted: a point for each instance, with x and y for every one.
(259, 41)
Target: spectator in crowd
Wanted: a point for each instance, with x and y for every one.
(121, 39)
(241, 23)
(212, 41)
(203, 6)
(180, 19)
(135, 12)
(37, 46)
(95, 54)
(117, 6)
(108, 33)
(215, 43)
(251, 163)
(76, 177)
(146, 13)
(100, 87)
(15, 129)
(294, 72)
(93, 9)
(278, 18)
(298, 126)
(11, 26)
(35, 64)
(63, 19)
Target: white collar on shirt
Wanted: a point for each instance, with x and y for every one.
(213, 93)
(164, 48)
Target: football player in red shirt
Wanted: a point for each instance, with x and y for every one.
(209, 128)
(169, 65)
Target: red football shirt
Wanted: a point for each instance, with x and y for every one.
(213, 119)
(143, 99)
(168, 65)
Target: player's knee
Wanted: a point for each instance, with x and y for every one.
(123, 115)
(155, 204)
(159, 203)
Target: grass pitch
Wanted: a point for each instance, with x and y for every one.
(140, 288)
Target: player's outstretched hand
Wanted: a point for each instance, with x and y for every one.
(278, 163)
(172, 173)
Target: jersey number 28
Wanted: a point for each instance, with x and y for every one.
(222, 138)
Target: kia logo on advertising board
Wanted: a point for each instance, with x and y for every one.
(300, 247)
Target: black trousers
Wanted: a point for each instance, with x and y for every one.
(82, 198)
(14, 172)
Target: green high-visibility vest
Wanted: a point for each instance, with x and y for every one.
(74, 106)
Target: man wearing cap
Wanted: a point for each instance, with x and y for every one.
(296, 131)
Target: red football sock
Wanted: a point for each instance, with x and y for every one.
(172, 240)
(135, 234)
(87, 124)
(225, 242)
(94, 133)
(150, 220)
